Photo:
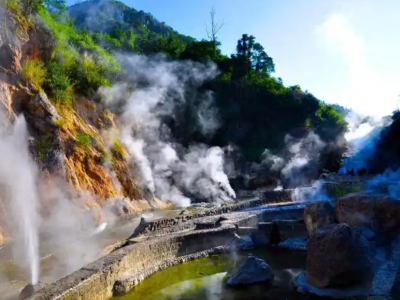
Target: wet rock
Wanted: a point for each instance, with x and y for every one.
(358, 291)
(377, 213)
(122, 287)
(40, 113)
(140, 228)
(254, 270)
(242, 243)
(339, 256)
(294, 243)
(318, 215)
(259, 238)
(30, 289)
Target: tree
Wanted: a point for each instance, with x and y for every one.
(212, 33)
(251, 57)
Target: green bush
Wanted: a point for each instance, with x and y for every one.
(34, 72)
(83, 140)
(58, 83)
(80, 59)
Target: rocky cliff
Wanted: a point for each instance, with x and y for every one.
(69, 142)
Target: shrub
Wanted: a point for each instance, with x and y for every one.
(118, 150)
(58, 83)
(43, 147)
(87, 65)
(33, 71)
(83, 140)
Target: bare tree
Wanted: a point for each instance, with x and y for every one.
(215, 28)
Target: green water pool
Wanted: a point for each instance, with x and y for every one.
(205, 279)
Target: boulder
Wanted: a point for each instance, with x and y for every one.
(41, 114)
(339, 256)
(375, 212)
(242, 242)
(318, 215)
(30, 289)
(254, 270)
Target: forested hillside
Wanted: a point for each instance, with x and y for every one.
(73, 53)
(256, 109)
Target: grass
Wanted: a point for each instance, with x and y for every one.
(83, 141)
(34, 72)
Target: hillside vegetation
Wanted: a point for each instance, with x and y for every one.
(71, 56)
(256, 110)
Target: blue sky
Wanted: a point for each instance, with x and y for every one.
(342, 51)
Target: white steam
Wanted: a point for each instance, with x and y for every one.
(18, 179)
(364, 132)
(300, 161)
(157, 90)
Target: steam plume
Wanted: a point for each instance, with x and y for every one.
(18, 178)
(160, 92)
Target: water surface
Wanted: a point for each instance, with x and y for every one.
(205, 279)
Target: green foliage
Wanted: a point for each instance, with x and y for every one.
(118, 150)
(43, 147)
(83, 62)
(83, 141)
(256, 110)
(339, 190)
(16, 9)
(58, 83)
(116, 26)
(34, 72)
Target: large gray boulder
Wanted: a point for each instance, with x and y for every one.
(40, 113)
(30, 289)
(339, 256)
(254, 270)
(378, 213)
(318, 215)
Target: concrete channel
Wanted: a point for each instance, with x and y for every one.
(165, 242)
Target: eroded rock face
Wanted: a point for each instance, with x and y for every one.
(339, 256)
(30, 289)
(254, 270)
(318, 215)
(40, 113)
(378, 213)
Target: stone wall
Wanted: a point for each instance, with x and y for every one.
(134, 262)
(185, 220)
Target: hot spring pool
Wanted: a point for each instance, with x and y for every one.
(204, 279)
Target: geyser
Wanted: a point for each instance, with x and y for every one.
(18, 177)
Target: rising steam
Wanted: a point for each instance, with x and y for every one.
(299, 163)
(18, 180)
(157, 91)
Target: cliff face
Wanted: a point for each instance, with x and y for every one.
(69, 142)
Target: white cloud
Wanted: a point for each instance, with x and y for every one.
(366, 88)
